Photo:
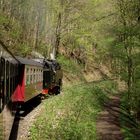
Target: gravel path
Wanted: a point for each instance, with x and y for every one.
(26, 122)
(17, 128)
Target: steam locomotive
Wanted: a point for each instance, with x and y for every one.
(21, 79)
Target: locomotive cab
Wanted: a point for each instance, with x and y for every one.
(52, 77)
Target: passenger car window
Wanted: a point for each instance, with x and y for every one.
(27, 79)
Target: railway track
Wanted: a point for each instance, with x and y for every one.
(17, 126)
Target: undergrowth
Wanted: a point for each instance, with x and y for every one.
(70, 115)
(71, 67)
(130, 126)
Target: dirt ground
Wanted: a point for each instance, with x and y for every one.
(108, 126)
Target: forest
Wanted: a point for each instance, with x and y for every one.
(88, 37)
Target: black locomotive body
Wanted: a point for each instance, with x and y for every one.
(52, 77)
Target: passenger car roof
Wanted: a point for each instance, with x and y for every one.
(27, 61)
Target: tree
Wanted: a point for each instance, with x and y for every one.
(127, 39)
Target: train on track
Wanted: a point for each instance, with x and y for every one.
(21, 79)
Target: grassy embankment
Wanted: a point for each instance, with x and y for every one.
(72, 114)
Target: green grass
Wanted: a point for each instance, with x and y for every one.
(70, 115)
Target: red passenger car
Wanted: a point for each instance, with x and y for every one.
(30, 80)
(20, 79)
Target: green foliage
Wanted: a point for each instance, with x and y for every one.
(44, 49)
(24, 50)
(127, 50)
(9, 27)
(70, 66)
(130, 126)
(10, 32)
(127, 55)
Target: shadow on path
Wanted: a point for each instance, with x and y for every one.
(108, 126)
(26, 109)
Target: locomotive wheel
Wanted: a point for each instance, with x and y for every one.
(50, 92)
(54, 91)
(57, 90)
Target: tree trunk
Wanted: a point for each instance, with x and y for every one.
(58, 34)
